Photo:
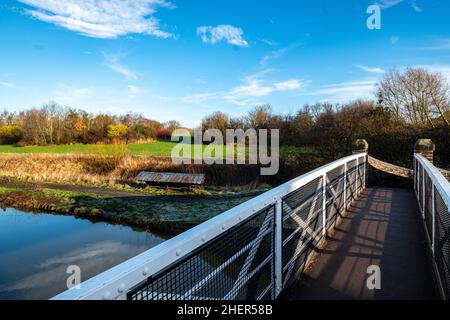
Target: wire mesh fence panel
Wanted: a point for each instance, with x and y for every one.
(420, 186)
(361, 171)
(301, 214)
(235, 266)
(442, 241)
(351, 181)
(415, 175)
(428, 206)
(335, 194)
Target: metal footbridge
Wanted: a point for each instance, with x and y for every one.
(315, 237)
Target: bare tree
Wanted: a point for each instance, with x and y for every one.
(218, 120)
(417, 96)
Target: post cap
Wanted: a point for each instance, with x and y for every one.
(424, 145)
(360, 144)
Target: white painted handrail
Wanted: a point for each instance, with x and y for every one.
(439, 181)
(429, 184)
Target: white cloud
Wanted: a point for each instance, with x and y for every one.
(369, 69)
(288, 85)
(4, 84)
(229, 34)
(102, 18)
(347, 91)
(134, 90)
(112, 62)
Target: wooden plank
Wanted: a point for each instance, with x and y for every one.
(172, 178)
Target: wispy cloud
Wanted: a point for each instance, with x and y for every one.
(415, 6)
(102, 18)
(66, 93)
(276, 54)
(4, 84)
(228, 33)
(253, 88)
(385, 4)
(134, 90)
(346, 91)
(112, 61)
(291, 84)
(369, 69)
(440, 44)
(394, 39)
(268, 42)
(273, 55)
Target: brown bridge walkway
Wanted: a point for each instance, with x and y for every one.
(384, 228)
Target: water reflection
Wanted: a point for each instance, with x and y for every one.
(36, 249)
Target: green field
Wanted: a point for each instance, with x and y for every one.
(156, 148)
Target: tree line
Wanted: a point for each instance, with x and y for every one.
(55, 124)
(407, 105)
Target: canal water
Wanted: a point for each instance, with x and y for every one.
(37, 249)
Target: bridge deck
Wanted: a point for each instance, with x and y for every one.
(382, 228)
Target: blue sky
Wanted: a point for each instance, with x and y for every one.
(185, 59)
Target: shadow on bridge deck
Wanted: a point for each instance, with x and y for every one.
(382, 228)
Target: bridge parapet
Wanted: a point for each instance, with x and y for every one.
(433, 196)
(252, 251)
(391, 168)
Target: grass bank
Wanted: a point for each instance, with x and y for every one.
(164, 214)
(106, 170)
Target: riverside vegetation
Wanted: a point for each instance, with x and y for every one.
(102, 187)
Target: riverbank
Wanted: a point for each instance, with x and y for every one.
(168, 214)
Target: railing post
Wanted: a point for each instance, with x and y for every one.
(433, 219)
(364, 171)
(360, 146)
(345, 186)
(357, 176)
(324, 204)
(278, 247)
(423, 192)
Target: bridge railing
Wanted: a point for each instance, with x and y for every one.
(433, 194)
(249, 252)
